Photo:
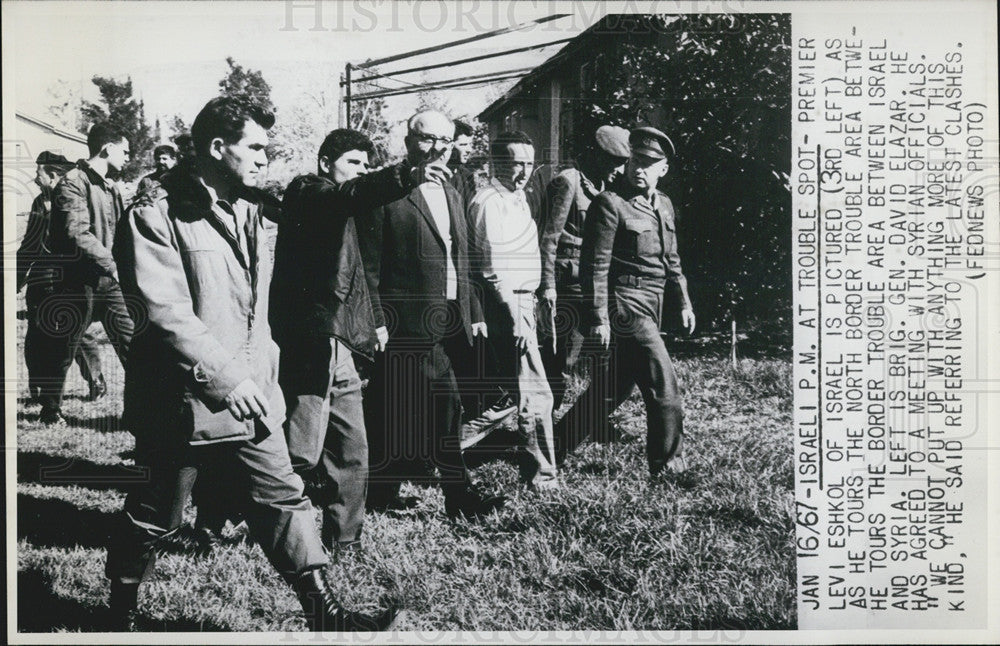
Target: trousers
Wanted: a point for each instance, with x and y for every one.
(70, 312)
(637, 356)
(277, 512)
(568, 341)
(43, 350)
(531, 388)
(325, 429)
(413, 414)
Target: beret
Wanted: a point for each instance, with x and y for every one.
(613, 140)
(48, 158)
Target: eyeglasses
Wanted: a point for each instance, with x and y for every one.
(431, 139)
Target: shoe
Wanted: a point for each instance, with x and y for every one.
(500, 410)
(324, 614)
(52, 418)
(98, 389)
(477, 429)
(186, 539)
(468, 502)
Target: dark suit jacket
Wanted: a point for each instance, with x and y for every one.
(404, 256)
(319, 286)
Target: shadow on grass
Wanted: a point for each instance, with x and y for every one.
(48, 469)
(40, 609)
(101, 424)
(56, 523)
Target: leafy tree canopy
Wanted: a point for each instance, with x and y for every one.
(120, 107)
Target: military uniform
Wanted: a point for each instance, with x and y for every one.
(567, 198)
(629, 264)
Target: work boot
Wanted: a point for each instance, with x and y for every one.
(324, 614)
(124, 606)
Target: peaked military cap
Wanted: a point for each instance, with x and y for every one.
(650, 142)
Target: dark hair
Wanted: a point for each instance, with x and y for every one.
(342, 140)
(498, 147)
(100, 135)
(225, 117)
(463, 129)
(164, 149)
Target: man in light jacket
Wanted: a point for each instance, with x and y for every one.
(201, 392)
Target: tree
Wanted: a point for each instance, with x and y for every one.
(719, 85)
(120, 107)
(177, 126)
(244, 83)
(64, 104)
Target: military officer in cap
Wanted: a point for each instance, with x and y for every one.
(567, 199)
(628, 265)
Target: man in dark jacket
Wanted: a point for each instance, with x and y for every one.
(416, 258)
(38, 270)
(164, 158)
(567, 199)
(86, 206)
(322, 317)
(201, 392)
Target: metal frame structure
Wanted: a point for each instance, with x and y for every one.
(348, 79)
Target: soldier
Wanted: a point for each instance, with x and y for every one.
(568, 197)
(628, 259)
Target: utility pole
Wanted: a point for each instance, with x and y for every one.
(347, 95)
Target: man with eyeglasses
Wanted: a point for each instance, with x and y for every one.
(86, 207)
(416, 258)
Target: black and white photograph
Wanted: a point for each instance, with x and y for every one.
(475, 318)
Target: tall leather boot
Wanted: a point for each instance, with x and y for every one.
(324, 614)
(124, 604)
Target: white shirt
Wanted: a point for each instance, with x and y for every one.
(508, 240)
(437, 201)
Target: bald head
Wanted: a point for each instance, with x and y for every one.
(429, 137)
(433, 119)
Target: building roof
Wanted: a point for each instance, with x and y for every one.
(55, 130)
(599, 30)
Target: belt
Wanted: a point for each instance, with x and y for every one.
(639, 282)
(524, 291)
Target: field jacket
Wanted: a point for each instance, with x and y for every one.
(85, 211)
(200, 291)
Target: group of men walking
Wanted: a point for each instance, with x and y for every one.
(244, 366)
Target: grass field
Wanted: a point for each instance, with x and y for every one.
(710, 550)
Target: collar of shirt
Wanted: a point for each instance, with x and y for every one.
(95, 177)
(516, 197)
(653, 202)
